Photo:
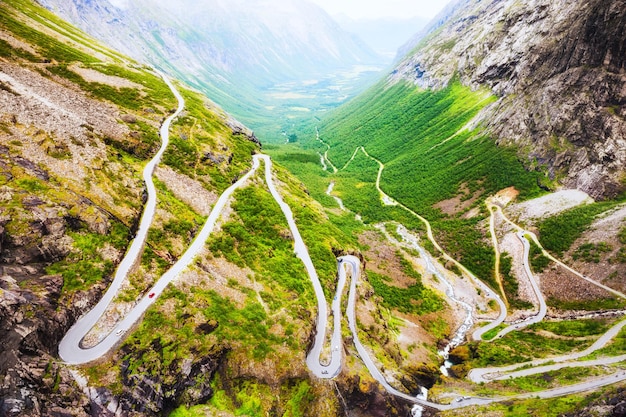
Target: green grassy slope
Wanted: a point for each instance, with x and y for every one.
(429, 156)
(420, 137)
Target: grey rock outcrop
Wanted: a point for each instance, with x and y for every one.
(30, 326)
(239, 128)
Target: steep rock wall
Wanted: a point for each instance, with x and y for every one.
(559, 68)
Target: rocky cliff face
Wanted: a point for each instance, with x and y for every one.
(31, 325)
(559, 70)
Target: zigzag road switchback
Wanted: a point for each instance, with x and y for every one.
(70, 349)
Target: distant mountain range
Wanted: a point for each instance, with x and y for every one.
(384, 35)
(232, 50)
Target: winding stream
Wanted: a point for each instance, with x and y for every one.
(329, 191)
(324, 158)
(459, 336)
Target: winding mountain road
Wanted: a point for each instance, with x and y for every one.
(459, 337)
(70, 349)
(354, 264)
(389, 201)
(494, 243)
(487, 374)
(543, 307)
(313, 358)
(555, 260)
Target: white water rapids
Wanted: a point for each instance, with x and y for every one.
(337, 199)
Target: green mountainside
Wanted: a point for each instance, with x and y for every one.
(411, 179)
(448, 139)
(430, 155)
(451, 147)
(557, 70)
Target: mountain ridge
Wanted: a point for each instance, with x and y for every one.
(558, 70)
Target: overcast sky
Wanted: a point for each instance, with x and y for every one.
(358, 9)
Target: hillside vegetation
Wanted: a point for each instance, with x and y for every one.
(269, 66)
(431, 154)
(79, 122)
